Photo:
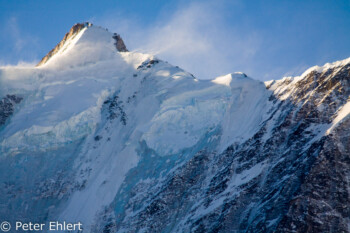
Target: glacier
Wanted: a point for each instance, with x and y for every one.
(125, 142)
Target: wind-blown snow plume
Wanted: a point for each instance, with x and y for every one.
(193, 37)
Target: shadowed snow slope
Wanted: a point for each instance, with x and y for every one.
(125, 142)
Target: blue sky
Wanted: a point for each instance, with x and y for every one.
(264, 39)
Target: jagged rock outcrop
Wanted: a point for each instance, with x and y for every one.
(7, 107)
(119, 43)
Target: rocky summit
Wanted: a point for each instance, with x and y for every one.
(121, 141)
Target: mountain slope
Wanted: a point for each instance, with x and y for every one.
(291, 176)
(125, 142)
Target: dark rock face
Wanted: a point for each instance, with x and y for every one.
(119, 43)
(291, 176)
(7, 107)
(115, 109)
(148, 64)
(322, 205)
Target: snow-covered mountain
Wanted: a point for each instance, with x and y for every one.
(125, 142)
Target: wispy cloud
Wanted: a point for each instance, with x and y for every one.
(13, 32)
(195, 37)
(21, 46)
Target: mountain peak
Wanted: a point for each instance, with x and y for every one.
(72, 37)
(69, 35)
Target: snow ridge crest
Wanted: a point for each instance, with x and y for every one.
(73, 35)
(69, 35)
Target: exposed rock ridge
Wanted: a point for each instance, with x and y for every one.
(69, 35)
(322, 204)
